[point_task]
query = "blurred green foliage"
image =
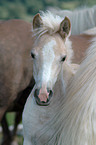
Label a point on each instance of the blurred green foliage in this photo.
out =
(25, 9)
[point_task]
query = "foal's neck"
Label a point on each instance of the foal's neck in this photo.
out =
(66, 75)
(62, 82)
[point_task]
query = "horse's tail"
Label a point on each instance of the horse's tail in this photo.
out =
(75, 123)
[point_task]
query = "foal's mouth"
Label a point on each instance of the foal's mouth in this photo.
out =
(43, 99)
(42, 103)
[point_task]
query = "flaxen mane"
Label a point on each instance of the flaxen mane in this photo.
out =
(50, 23)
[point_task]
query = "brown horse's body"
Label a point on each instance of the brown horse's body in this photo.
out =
(80, 44)
(15, 60)
(16, 79)
(15, 65)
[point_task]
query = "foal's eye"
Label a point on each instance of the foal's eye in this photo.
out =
(63, 58)
(32, 55)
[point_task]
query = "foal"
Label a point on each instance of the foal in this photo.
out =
(52, 72)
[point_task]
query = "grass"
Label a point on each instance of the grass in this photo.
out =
(70, 5)
(10, 118)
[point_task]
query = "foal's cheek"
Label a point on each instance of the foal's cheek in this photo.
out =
(54, 75)
(57, 69)
(35, 72)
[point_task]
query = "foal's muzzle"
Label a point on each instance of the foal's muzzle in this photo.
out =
(43, 103)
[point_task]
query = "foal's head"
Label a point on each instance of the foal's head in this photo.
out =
(49, 53)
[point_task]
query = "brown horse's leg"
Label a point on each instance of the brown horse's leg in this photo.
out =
(22, 102)
(2, 112)
(18, 118)
(6, 132)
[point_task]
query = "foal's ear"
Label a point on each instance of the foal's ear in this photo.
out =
(65, 28)
(37, 21)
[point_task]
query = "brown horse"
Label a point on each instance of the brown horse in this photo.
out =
(16, 79)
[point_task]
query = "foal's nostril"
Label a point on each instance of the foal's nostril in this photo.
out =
(50, 92)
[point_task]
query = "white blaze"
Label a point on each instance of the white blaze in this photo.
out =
(48, 58)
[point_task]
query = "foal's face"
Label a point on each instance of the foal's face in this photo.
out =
(48, 56)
